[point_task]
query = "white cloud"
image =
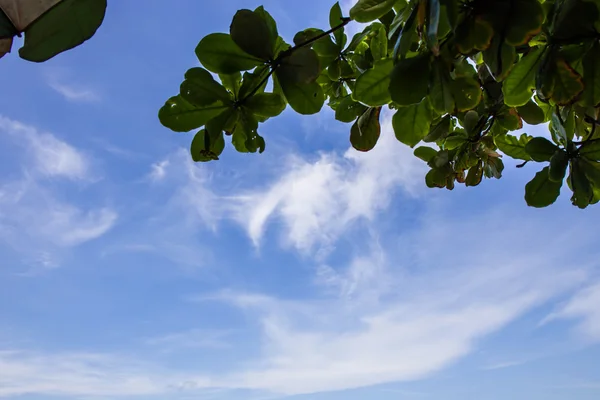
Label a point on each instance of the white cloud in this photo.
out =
(159, 170)
(316, 201)
(34, 220)
(191, 339)
(48, 155)
(585, 307)
(74, 93)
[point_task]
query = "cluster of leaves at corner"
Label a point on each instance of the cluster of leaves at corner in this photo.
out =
(458, 75)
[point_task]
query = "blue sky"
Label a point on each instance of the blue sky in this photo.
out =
(307, 272)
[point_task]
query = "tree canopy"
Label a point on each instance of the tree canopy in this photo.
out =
(460, 76)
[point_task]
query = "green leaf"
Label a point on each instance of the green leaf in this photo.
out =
(324, 46)
(252, 34)
(439, 130)
(531, 113)
(64, 26)
(526, 18)
(567, 83)
(200, 88)
(440, 92)
(583, 193)
(232, 82)
(407, 35)
(379, 44)
(499, 58)
(266, 104)
(591, 170)
(540, 149)
(517, 86)
(219, 53)
(303, 98)
(409, 82)
(474, 34)
(433, 23)
(438, 177)
(558, 131)
(411, 123)
(425, 153)
(370, 10)
(454, 141)
(348, 110)
(180, 116)
(541, 191)
(466, 93)
(509, 119)
(207, 147)
(334, 70)
(591, 76)
(372, 86)
(475, 174)
(590, 150)
(302, 67)
(335, 19)
(558, 166)
(366, 130)
(513, 147)
(251, 81)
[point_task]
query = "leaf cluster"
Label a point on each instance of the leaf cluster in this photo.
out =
(459, 76)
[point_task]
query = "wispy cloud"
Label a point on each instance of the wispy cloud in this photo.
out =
(191, 339)
(74, 93)
(583, 306)
(34, 220)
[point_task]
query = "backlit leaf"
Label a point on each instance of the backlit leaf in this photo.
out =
(541, 191)
(219, 53)
(372, 86)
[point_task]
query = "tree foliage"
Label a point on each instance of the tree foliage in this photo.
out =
(459, 75)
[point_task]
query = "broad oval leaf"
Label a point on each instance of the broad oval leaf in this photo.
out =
(200, 88)
(591, 76)
(64, 26)
(207, 147)
(513, 147)
(409, 81)
(540, 149)
(266, 104)
(370, 10)
(583, 193)
(180, 116)
(365, 132)
(219, 53)
(252, 34)
(303, 98)
(590, 150)
(302, 66)
(517, 86)
(411, 123)
(348, 109)
(525, 22)
(532, 113)
(558, 166)
(425, 153)
(372, 86)
(541, 191)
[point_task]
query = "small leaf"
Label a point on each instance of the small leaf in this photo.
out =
(251, 81)
(439, 130)
(219, 53)
(366, 130)
(541, 191)
(425, 153)
(475, 174)
(454, 141)
(411, 123)
(513, 147)
(370, 10)
(232, 82)
(540, 149)
(379, 44)
(207, 147)
(466, 93)
(509, 119)
(335, 19)
(252, 34)
(407, 35)
(200, 88)
(442, 99)
(517, 87)
(372, 86)
(180, 116)
(348, 110)
(409, 82)
(531, 113)
(499, 58)
(64, 26)
(266, 104)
